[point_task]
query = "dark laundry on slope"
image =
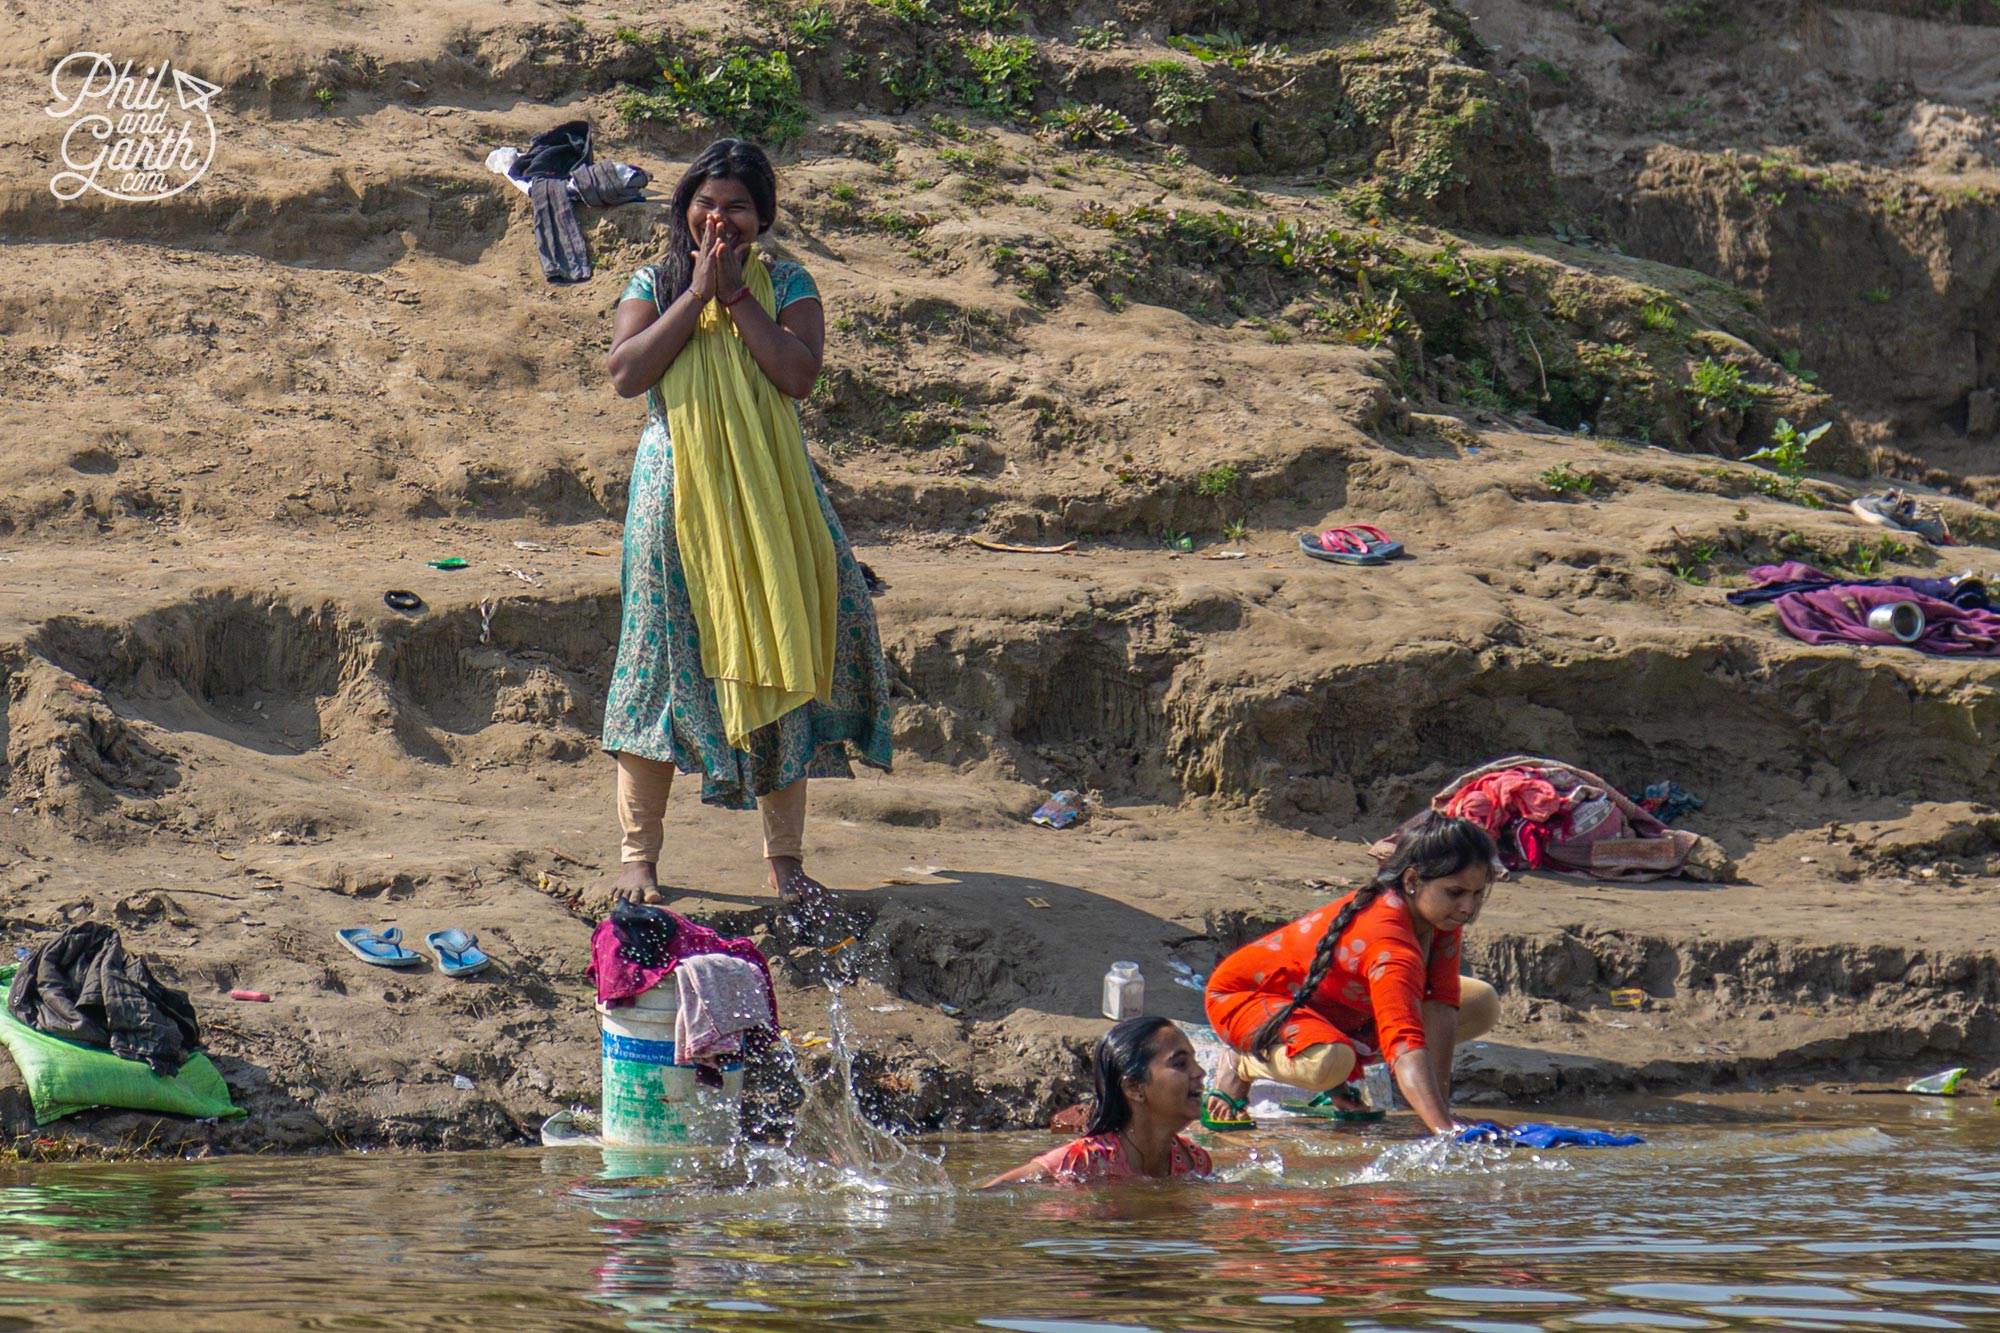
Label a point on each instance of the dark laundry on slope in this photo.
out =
(559, 167)
(1775, 581)
(83, 986)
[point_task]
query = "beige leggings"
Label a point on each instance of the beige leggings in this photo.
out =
(643, 786)
(1328, 1065)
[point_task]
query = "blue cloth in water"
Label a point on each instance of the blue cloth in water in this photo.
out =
(1544, 1136)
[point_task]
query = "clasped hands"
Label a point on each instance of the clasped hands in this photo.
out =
(718, 266)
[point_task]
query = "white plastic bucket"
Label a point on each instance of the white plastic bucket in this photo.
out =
(649, 1101)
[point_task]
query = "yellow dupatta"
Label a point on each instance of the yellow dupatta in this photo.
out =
(755, 548)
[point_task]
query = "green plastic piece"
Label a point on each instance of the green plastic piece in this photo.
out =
(1941, 1084)
(64, 1078)
(449, 562)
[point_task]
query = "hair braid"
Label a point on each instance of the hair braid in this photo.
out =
(1435, 846)
(1273, 1028)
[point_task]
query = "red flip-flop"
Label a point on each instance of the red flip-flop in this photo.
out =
(1355, 544)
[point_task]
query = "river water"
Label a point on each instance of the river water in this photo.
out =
(1851, 1214)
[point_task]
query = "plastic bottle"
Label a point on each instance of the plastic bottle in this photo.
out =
(1124, 992)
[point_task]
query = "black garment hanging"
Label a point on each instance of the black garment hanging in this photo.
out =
(555, 152)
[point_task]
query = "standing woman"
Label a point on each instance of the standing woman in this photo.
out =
(1372, 976)
(748, 651)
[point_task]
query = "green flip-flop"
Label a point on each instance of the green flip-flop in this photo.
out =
(1240, 1105)
(1323, 1107)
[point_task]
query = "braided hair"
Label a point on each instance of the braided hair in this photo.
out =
(1124, 1052)
(1438, 848)
(725, 159)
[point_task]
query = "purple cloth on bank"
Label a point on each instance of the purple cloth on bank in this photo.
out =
(1840, 615)
(1775, 581)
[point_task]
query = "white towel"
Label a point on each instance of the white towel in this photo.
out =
(720, 999)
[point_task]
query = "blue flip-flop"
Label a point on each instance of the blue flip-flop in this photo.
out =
(458, 954)
(384, 949)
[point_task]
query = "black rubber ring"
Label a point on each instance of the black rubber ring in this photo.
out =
(401, 600)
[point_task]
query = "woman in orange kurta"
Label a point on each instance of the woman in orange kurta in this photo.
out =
(1371, 976)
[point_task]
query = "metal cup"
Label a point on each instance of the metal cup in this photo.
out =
(1905, 620)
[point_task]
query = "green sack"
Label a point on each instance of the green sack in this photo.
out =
(64, 1078)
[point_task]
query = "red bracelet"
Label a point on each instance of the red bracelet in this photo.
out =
(745, 291)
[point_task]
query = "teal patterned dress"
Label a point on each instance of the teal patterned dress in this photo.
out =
(662, 707)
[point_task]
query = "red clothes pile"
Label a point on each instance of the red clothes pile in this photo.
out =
(1548, 815)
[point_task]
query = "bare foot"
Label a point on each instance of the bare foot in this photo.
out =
(794, 885)
(637, 883)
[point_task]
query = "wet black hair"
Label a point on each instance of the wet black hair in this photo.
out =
(725, 159)
(1438, 848)
(1124, 1052)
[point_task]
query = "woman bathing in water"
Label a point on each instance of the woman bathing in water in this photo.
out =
(748, 651)
(1149, 1089)
(1373, 975)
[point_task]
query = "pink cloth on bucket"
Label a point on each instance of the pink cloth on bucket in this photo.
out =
(720, 999)
(618, 978)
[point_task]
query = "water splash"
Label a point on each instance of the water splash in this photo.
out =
(1442, 1155)
(833, 1145)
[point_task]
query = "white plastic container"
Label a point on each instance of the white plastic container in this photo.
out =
(1124, 992)
(649, 1101)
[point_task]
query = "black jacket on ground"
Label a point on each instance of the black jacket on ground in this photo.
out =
(84, 987)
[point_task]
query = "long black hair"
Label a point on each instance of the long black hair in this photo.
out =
(725, 159)
(1124, 1052)
(1439, 847)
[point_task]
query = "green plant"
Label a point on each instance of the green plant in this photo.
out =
(1566, 480)
(1719, 385)
(1878, 295)
(847, 194)
(979, 160)
(1864, 558)
(811, 25)
(1226, 47)
(326, 97)
(1790, 361)
(989, 14)
(1099, 37)
(1659, 316)
(1787, 451)
(631, 36)
(1544, 69)
(1699, 557)
(911, 81)
(750, 92)
(1218, 481)
(1236, 529)
(910, 11)
(1002, 80)
(1081, 123)
(1179, 91)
